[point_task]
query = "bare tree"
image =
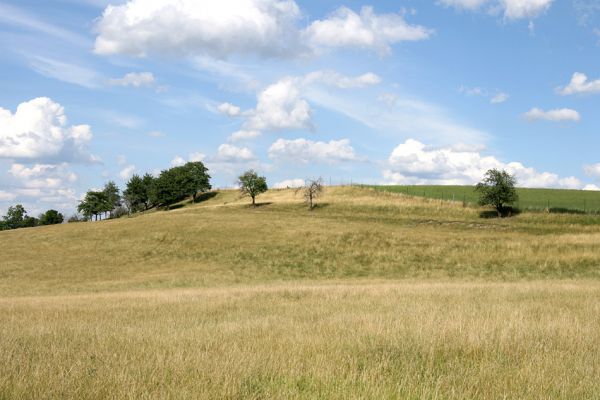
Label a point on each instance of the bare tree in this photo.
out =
(312, 189)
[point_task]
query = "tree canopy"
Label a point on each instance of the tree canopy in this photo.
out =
(252, 185)
(497, 189)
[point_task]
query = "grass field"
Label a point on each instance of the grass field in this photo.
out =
(556, 200)
(371, 295)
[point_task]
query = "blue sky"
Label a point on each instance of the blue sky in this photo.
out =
(395, 92)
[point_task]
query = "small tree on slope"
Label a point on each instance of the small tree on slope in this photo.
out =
(252, 185)
(497, 189)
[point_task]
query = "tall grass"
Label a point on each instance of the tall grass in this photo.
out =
(370, 295)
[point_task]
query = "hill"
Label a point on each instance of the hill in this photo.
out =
(554, 200)
(371, 295)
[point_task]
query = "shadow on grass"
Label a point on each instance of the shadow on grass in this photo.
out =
(563, 210)
(204, 197)
(174, 207)
(507, 212)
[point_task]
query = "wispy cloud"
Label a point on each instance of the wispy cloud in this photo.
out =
(66, 72)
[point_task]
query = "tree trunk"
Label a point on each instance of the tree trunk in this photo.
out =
(254, 201)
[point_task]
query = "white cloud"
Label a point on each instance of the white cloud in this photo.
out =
(516, 9)
(499, 98)
(229, 109)
(38, 130)
(367, 30)
(7, 196)
(178, 161)
(190, 27)
(580, 85)
(415, 163)
(289, 183)
(244, 135)
(474, 91)
(305, 151)
(592, 170)
(562, 114)
(333, 78)
(135, 79)
(280, 106)
(197, 156)
(156, 134)
(233, 154)
(591, 187)
(127, 172)
(511, 9)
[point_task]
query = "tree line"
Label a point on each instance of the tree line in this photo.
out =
(16, 217)
(497, 189)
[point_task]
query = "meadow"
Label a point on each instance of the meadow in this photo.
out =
(370, 295)
(554, 200)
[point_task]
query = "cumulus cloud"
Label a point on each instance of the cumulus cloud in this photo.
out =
(415, 163)
(511, 9)
(591, 187)
(289, 183)
(127, 172)
(134, 79)
(557, 115)
(38, 130)
(177, 161)
(307, 151)
(580, 85)
(229, 109)
(367, 30)
(234, 154)
(190, 27)
(244, 135)
(197, 156)
(592, 170)
(280, 106)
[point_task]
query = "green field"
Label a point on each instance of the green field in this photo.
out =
(370, 295)
(555, 200)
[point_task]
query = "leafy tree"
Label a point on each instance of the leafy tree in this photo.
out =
(312, 189)
(252, 185)
(15, 217)
(93, 204)
(51, 217)
(497, 189)
(198, 180)
(137, 193)
(30, 222)
(112, 198)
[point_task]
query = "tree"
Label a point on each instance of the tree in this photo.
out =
(252, 185)
(312, 189)
(15, 217)
(93, 204)
(198, 180)
(137, 193)
(51, 217)
(170, 187)
(112, 198)
(497, 189)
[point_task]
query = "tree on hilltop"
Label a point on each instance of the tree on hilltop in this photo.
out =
(252, 185)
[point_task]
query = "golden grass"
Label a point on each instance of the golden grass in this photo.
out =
(371, 295)
(535, 340)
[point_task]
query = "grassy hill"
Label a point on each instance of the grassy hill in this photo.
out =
(556, 200)
(371, 295)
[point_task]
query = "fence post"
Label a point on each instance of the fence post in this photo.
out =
(584, 206)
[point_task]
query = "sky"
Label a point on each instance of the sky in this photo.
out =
(385, 92)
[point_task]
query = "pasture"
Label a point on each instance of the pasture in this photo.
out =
(554, 200)
(370, 295)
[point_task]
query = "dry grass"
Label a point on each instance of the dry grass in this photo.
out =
(362, 340)
(372, 295)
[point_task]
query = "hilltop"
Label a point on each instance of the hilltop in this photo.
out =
(353, 233)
